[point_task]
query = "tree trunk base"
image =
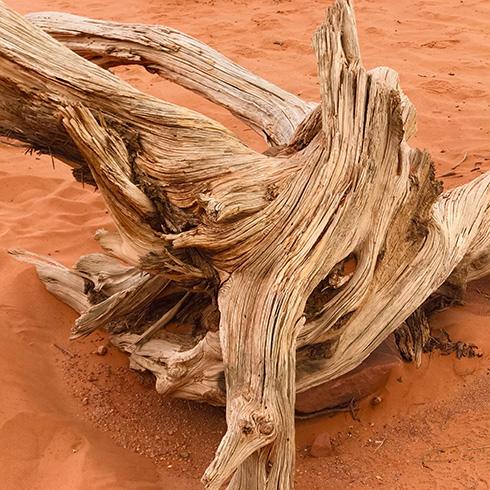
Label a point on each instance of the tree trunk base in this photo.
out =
(286, 268)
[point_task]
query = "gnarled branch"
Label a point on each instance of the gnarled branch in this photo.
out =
(300, 261)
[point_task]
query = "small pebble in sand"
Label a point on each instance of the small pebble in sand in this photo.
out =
(101, 350)
(376, 401)
(322, 446)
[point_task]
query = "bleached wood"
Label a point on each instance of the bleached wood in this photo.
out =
(105, 292)
(269, 110)
(59, 281)
(159, 136)
(181, 372)
(263, 238)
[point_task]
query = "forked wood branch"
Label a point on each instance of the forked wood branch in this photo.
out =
(288, 268)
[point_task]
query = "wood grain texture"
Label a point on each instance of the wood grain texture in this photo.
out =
(271, 111)
(288, 268)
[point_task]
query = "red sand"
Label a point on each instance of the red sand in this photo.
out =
(91, 423)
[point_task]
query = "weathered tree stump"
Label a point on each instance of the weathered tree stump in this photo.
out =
(287, 267)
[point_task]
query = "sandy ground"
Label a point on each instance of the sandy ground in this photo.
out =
(88, 422)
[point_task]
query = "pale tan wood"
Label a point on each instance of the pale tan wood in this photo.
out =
(59, 281)
(253, 248)
(271, 111)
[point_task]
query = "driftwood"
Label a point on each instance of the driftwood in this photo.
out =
(285, 269)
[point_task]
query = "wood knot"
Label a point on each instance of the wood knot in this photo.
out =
(176, 372)
(272, 192)
(247, 429)
(266, 428)
(264, 424)
(258, 424)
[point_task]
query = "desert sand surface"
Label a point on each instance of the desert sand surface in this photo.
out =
(88, 422)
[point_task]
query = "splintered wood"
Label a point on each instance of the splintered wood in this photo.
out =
(288, 268)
